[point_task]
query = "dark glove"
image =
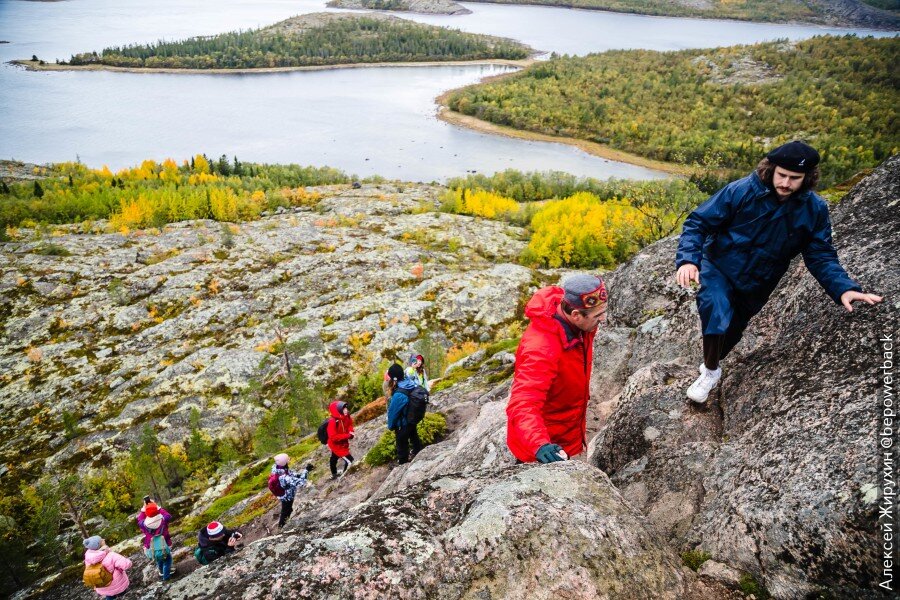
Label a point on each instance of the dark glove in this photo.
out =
(549, 453)
(309, 467)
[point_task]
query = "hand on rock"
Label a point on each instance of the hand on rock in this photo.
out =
(850, 296)
(550, 453)
(686, 274)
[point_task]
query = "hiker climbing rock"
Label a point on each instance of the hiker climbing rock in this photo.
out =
(738, 244)
(283, 483)
(215, 541)
(406, 409)
(415, 370)
(340, 432)
(104, 570)
(547, 409)
(153, 521)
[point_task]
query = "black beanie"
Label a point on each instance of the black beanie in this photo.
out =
(396, 372)
(794, 156)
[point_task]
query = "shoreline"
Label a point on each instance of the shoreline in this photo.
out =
(30, 65)
(447, 115)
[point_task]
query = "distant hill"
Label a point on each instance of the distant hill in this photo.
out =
(848, 13)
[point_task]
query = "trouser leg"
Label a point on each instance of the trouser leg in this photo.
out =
(166, 566)
(414, 437)
(712, 351)
(332, 463)
(402, 444)
(287, 507)
(745, 308)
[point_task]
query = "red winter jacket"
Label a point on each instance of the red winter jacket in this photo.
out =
(551, 384)
(340, 428)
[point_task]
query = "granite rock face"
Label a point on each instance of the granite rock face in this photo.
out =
(124, 331)
(526, 531)
(771, 477)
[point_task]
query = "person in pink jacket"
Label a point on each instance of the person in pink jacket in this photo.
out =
(98, 552)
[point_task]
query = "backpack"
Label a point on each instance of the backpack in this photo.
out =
(418, 402)
(97, 576)
(322, 431)
(275, 485)
(159, 549)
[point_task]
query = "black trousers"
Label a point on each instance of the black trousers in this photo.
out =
(332, 462)
(287, 507)
(405, 435)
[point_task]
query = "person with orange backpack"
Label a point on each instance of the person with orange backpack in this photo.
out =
(340, 432)
(104, 570)
(283, 483)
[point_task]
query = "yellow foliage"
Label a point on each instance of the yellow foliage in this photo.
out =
(582, 231)
(201, 178)
(461, 351)
(480, 203)
(213, 286)
(201, 165)
(360, 340)
(258, 197)
(268, 347)
(34, 354)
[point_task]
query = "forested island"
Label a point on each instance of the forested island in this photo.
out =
(318, 39)
(712, 108)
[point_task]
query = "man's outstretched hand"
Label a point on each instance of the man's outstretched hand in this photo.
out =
(687, 273)
(849, 297)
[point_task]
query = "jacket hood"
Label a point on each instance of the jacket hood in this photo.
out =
(334, 409)
(92, 557)
(408, 384)
(544, 302)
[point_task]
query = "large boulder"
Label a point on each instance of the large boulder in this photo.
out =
(772, 476)
(559, 531)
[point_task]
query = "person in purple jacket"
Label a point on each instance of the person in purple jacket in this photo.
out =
(153, 521)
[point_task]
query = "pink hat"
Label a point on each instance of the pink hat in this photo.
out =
(215, 528)
(281, 460)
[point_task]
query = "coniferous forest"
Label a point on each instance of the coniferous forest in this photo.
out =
(334, 41)
(715, 108)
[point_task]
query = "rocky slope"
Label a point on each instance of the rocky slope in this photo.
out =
(127, 330)
(775, 477)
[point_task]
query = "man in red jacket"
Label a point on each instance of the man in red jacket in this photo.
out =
(547, 410)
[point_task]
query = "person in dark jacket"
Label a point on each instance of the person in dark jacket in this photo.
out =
(547, 409)
(738, 244)
(399, 420)
(216, 540)
(340, 432)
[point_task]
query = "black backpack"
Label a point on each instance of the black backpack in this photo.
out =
(322, 431)
(418, 403)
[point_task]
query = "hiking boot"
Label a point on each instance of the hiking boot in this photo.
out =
(703, 385)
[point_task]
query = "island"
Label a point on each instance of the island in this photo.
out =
(427, 7)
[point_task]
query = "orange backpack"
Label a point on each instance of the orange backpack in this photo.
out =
(97, 576)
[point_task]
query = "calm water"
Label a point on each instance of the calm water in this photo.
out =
(364, 121)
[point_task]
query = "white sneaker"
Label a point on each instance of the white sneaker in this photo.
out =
(699, 390)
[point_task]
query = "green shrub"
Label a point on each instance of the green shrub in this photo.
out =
(749, 586)
(431, 429)
(694, 559)
(52, 250)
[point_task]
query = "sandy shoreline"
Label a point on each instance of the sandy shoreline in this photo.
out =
(593, 148)
(31, 65)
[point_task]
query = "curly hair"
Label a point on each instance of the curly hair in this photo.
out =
(766, 168)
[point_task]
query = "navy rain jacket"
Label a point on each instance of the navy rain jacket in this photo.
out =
(745, 232)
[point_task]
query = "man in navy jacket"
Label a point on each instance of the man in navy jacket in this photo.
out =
(738, 244)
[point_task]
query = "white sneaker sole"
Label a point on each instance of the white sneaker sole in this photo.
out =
(696, 397)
